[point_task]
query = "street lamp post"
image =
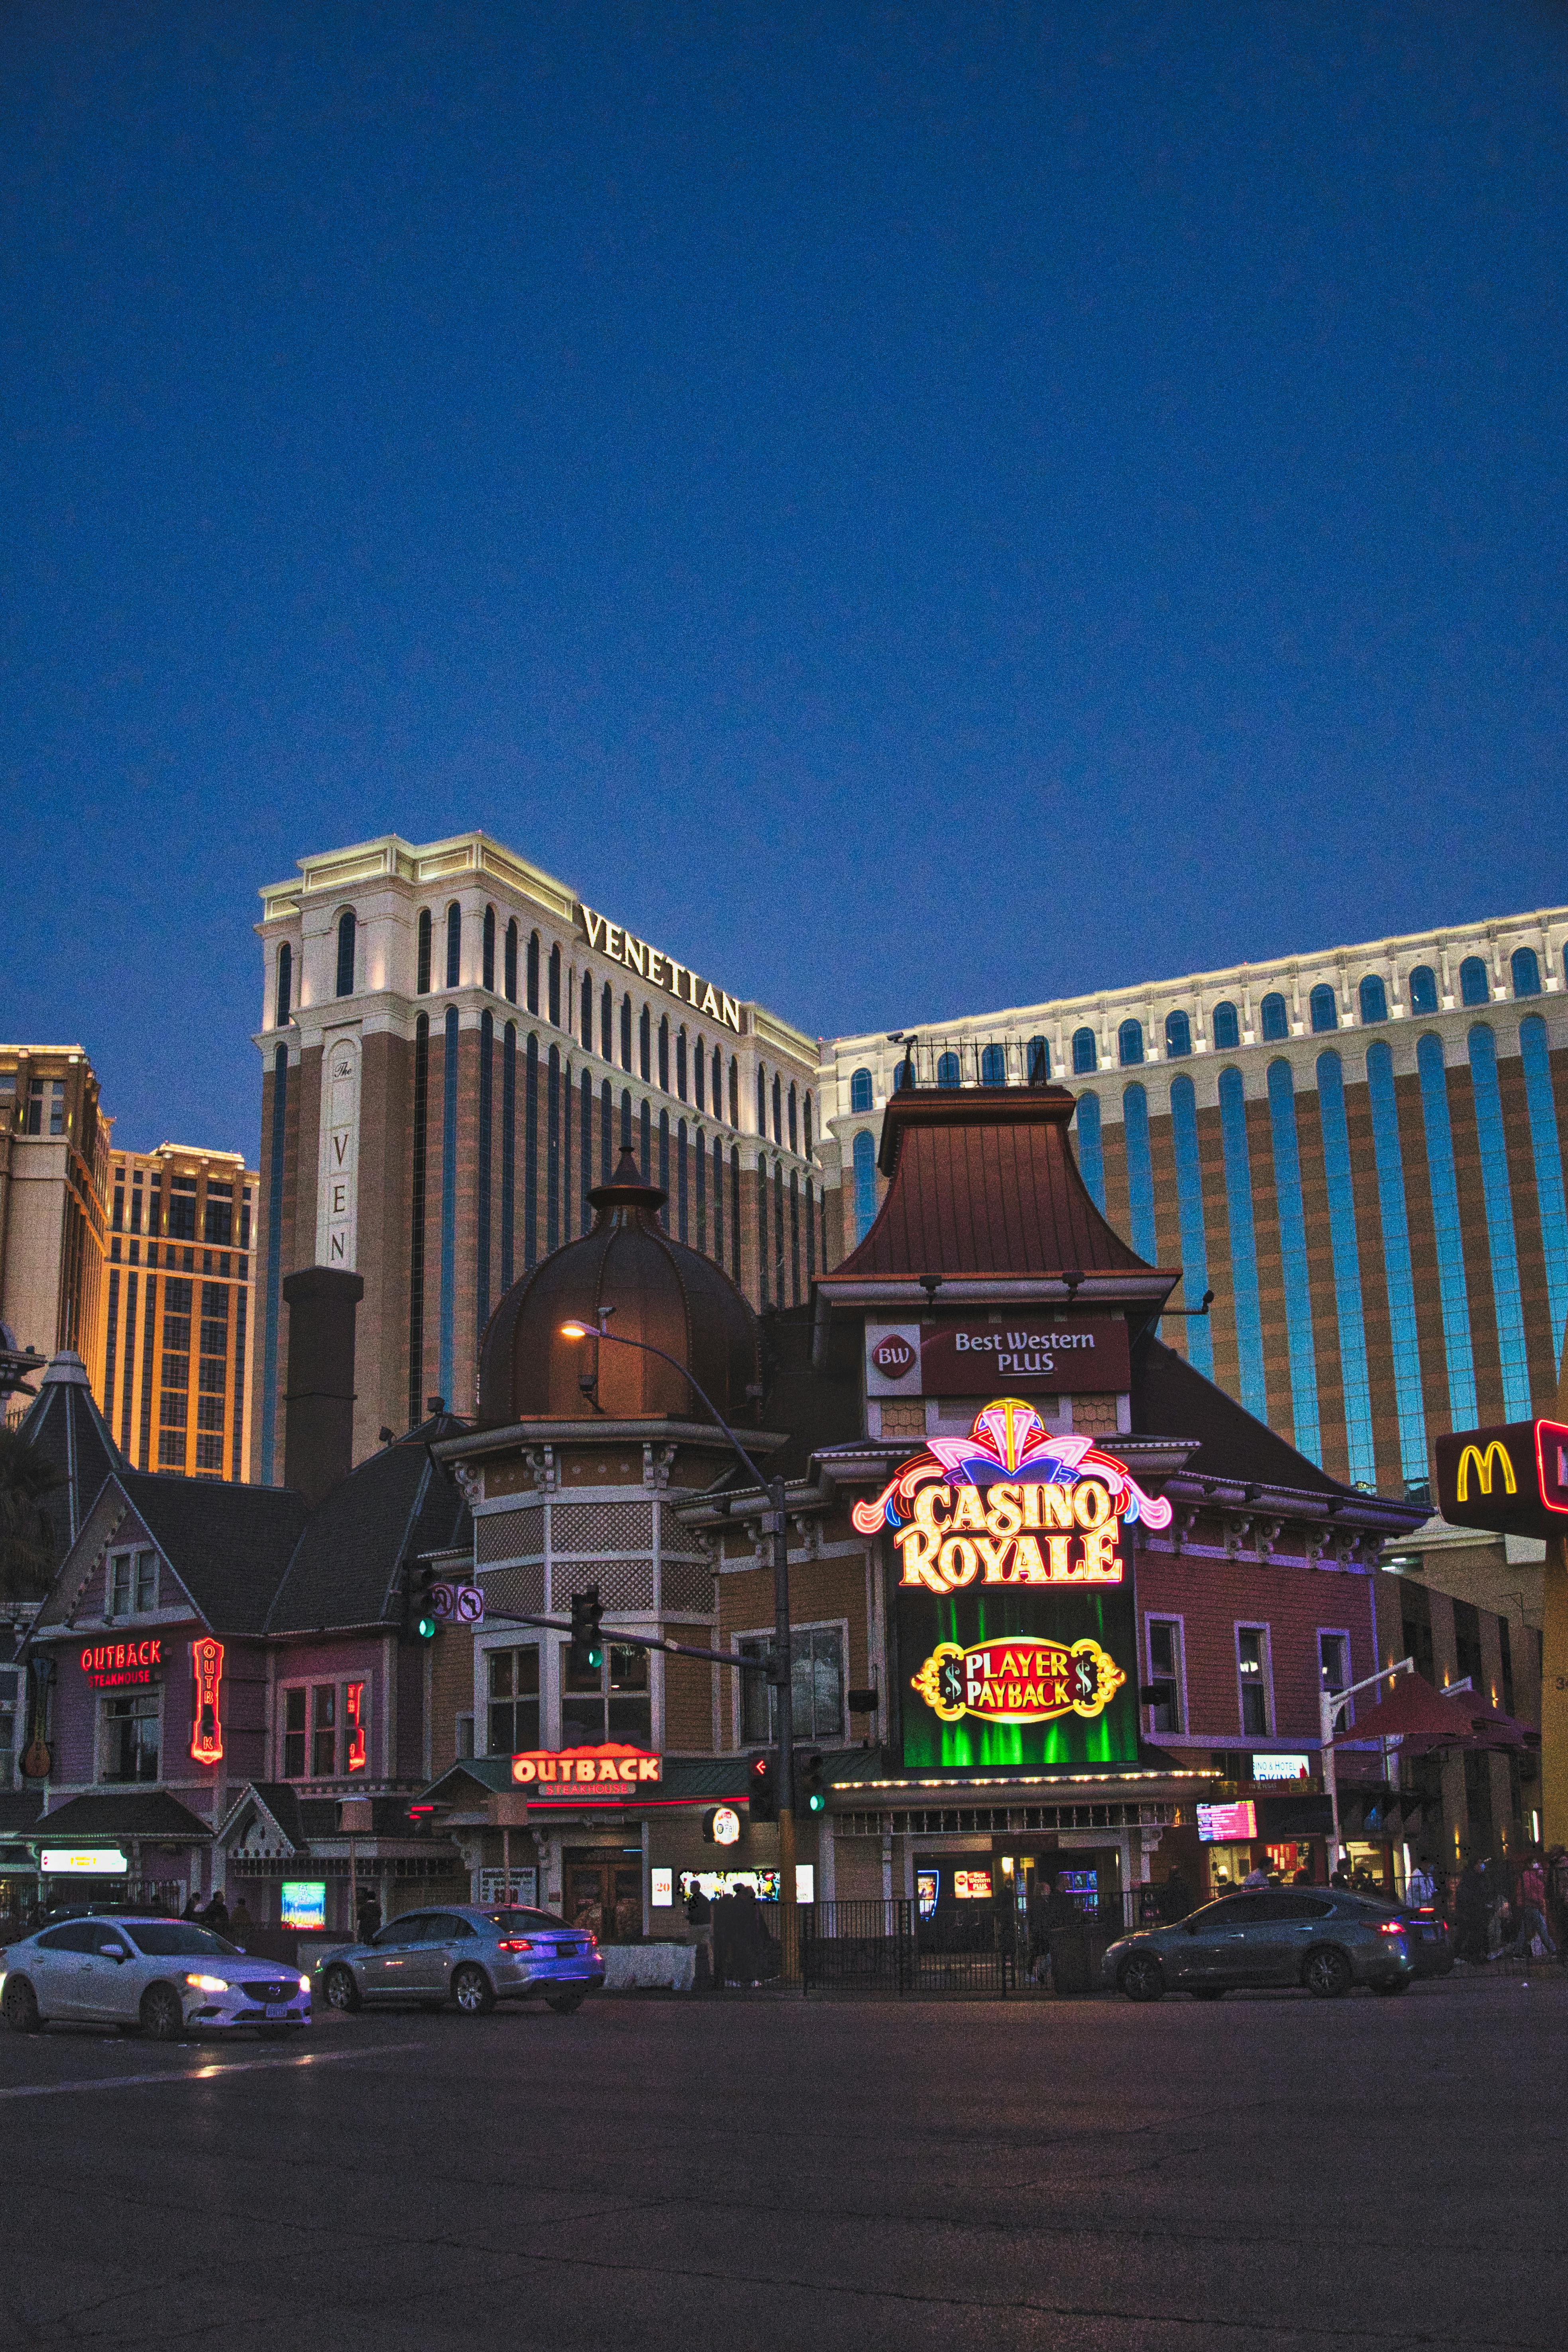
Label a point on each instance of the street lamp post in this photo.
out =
(1329, 1706)
(775, 1522)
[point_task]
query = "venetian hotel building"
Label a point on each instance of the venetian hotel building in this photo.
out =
(1360, 1152)
(453, 1049)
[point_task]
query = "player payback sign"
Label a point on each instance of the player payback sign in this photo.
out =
(1047, 1354)
(1015, 1604)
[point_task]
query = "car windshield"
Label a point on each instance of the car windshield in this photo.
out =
(176, 1939)
(507, 1920)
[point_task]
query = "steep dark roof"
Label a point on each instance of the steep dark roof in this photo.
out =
(141, 1812)
(65, 1427)
(19, 1808)
(228, 1545)
(345, 1565)
(982, 1181)
(1169, 1399)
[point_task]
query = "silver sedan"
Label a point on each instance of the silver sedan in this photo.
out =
(163, 1977)
(472, 1954)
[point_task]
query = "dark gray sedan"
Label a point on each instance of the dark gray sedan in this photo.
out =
(1319, 1937)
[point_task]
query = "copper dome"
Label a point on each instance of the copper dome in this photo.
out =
(656, 1290)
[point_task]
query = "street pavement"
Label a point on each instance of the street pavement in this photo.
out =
(1268, 2171)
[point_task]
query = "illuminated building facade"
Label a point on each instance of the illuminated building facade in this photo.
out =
(54, 1192)
(1360, 1153)
(173, 1379)
(454, 1050)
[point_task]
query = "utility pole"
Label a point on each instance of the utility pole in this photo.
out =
(1328, 1704)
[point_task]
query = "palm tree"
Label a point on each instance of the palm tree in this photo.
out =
(27, 1538)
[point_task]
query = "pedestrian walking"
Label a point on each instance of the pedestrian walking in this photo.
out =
(1421, 1888)
(1175, 1897)
(215, 1915)
(1529, 1926)
(1256, 1877)
(367, 1923)
(1470, 1910)
(240, 1923)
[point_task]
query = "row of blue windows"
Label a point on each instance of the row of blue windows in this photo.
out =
(1225, 1021)
(1398, 1273)
(991, 1067)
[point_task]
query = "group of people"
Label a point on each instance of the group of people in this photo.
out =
(742, 1952)
(1492, 1924)
(215, 1914)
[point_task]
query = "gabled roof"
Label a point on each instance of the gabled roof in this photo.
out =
(344, 1568)
(65, 1427)
(984, 1187)
(141, 1812)
(228, 1545)
(1232, 1448)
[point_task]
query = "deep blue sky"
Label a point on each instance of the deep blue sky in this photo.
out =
(911, 507)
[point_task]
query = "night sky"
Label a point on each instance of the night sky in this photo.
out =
(912, 508)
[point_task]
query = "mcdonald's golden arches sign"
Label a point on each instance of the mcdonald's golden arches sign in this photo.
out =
(1514, 1478)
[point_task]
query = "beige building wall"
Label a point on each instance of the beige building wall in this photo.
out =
(54, 1164)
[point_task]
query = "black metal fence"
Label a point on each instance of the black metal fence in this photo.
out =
(883, 1946)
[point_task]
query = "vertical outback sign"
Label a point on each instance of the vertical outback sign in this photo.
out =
(1016, 1628)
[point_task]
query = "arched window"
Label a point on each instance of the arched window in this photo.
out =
(534, 971)
(794, 1120)
(607, 1024)
(664, 1167)
(1226, 1027)
(903, 1075)
(947, 1069)
(762, 1101)
(509, 963)
(734, 1111)
(699, 1074)
(645, 1137)
(1423, 989)
(663, 1053)
(680, 1061)
(993, 1067)
(1085, 1053)
(422, 975)
(606, 1129)
(283, 1001)
(778, 1110)
(1373, 998)
(587, 1012)
(555, 984)
(859, 1086)
(1038, 1062)
(626, 1033)
(1526, 970)
(865, 1184)
(682, 1181)
(1274, 1019)
(1473, 988)
(1323, 1007)
(454, 944)
(1130, 1043)
(1178, 1036)
(488, 951)
(626, 1118)
(645, 1043)
(346, 952)
(807, 1113)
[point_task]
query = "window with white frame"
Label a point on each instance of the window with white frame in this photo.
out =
(1166, 1674)
(1253, 1674)
(325, 1730)
(132, 1583)
(129, 1728)
(817, 1658)
(613, 1700)
(511, 1693)
(1335, 1671)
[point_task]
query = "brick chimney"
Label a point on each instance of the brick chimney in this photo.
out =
(318, 1402)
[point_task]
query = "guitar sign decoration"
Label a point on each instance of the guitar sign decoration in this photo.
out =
(206, 1730)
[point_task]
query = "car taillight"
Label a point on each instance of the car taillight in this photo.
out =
(1391, 1926)
(514, 1943)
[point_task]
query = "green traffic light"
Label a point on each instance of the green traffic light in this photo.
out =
(595, 1657)
(425, 1629)
(816, 1803)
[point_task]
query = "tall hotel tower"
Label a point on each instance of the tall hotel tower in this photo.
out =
(453, 1049)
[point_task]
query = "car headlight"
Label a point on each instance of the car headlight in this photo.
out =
(208, 1984)
(304, 1984)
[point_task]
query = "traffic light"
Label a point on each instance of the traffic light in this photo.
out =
(422, 1612)
(763, 1796)
(813, 1784)
(587, 1646)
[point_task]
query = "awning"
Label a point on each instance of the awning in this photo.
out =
(1424, 1718)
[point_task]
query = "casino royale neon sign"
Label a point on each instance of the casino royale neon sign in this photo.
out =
(1014, 1503)
(621, 947)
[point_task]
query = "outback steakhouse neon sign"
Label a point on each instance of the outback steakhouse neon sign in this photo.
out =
(122, 1665)
(1014, 1503)
(1018, 1681)
(607, 1769)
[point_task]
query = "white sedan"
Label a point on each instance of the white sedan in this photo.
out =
(163, 1977)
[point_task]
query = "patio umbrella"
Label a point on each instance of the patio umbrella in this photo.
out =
(1416, 1714)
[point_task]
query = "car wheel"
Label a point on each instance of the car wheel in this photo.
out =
(23, 2014)
(1327, 1973)
(471, 1992)
(1209, 1992)
(163, 2019)
(340, 1991)
(1395, 1984)
(564, 2004)
(1142, 1977)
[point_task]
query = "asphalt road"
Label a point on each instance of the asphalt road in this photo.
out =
(1269, 2171)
